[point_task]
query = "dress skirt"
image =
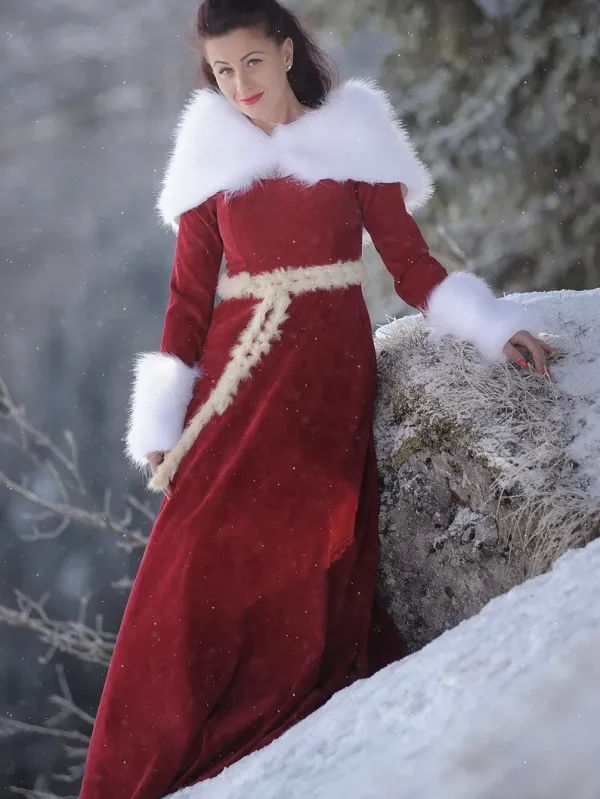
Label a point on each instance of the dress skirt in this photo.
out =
(255, 599)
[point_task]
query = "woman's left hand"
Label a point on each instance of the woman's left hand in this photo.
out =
(539, 351)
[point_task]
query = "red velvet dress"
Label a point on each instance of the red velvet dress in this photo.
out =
(255, 599)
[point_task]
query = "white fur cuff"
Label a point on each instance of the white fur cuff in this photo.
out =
(162, 390)
(465, 306)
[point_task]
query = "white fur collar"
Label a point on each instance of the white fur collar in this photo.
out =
(354, 135)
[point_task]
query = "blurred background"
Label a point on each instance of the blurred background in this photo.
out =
(501, 99)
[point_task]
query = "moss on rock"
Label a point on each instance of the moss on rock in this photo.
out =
(409, 447)
(433, 430)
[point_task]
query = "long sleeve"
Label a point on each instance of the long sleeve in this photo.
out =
(399, 242)
(459, 303)
(164, 381)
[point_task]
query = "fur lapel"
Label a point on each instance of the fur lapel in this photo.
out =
(354, 135)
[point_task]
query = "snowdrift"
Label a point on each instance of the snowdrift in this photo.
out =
(504, 705)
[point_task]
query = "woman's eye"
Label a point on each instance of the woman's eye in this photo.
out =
(229, 70)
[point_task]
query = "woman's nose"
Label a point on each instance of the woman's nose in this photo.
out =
(243, 88)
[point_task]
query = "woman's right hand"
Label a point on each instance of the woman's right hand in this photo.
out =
(155, 459)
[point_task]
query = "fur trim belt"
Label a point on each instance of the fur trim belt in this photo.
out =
(275, 290)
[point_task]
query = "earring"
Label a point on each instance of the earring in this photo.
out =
(289, 66)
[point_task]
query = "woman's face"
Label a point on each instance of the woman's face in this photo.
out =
(250, 66)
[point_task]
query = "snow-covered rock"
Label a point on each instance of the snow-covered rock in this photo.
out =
(504, 705)
(489, 473)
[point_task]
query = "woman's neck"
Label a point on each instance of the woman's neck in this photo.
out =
(288, 111)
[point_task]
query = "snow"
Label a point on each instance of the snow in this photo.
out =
(505, 704)
(574, 319)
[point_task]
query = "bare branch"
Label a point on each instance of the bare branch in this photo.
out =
(39, 535)
(33, 794)
(125, 583)
(131, 539)
(92, 645)
(142, 507)
(11, 727)
(65, 512)
(75, 743)
(16, 414)
(452, 244)
(39, 791)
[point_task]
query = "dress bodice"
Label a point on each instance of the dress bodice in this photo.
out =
(283, 222)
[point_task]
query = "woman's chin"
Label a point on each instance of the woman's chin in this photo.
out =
(255, 110)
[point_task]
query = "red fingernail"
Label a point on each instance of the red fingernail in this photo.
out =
(522, 363)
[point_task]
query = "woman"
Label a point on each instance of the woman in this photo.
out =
(255, 599)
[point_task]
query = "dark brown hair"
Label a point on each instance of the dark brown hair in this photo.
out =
(313, 73)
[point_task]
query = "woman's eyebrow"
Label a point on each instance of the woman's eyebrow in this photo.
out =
(243, 58)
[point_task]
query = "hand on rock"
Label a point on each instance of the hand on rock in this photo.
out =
(537, 348)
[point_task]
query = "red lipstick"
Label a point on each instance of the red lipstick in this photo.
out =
(254, 99)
